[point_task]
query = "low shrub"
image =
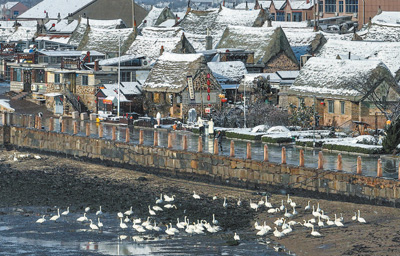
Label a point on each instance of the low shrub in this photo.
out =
(235, 135)
(277, 140)
(355, 149)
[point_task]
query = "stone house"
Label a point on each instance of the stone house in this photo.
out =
(159, 17)
(291, 10)
(272, 51)
(179, 82)
(357, 90)
(10, 10)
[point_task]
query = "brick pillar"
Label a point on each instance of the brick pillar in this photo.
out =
(265, 153)
(215, 147)
(200, 145)
(169, 140)
(75, 127)
(4, 118)
(36, 122)
(113, 135)
(283, 155)
(301, 162)
(184, 142)
(39, 123)
(155, 139)
(379, 171)
(141, 137)
(359, 166)
(127, 135)
(339, 162)
(248, 153)
(51, 124)
(100, 131)
(232, 149)
(87, 130)
(29, 121)
(320, 160)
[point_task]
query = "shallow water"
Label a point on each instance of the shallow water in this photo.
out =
(21, 235)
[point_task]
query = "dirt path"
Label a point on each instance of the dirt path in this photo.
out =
(53, 181)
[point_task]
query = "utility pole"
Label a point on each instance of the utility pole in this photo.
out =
(119, 73)
(133, 13)
(244, 102)
(315, 122)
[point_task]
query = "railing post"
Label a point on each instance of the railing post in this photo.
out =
(184, 142)
(51, 124)
(379, 171)
(283, 155)
(248, 150)
(232, 149)
(320, 160)
(141, 137)
(200, 145)
(155, 139)
(169, 140)
(215, 146)
(339, 162)
(359, 165)
(301, 162)
(265, 153)
(87, 129)
(63, 126)
(100, 131)
(127, 135)
(113, 135)
(75, 127)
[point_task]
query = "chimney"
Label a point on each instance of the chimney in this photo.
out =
(256, 5)
(247, 6)
(87, 21)
(349, 55)
(209, 40)
(70, 19)
(223, 3)
(379, 10)
(188, 7)
(96, 65)
(58, 17)
(176, 19)
(161, 50)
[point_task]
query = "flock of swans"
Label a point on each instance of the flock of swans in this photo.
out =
(283, 225)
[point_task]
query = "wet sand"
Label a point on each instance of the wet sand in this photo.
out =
(56, 181)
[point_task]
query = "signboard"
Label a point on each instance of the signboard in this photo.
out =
(207, 110)
(190, 86)
(105, 101)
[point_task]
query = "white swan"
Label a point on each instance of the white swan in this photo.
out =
(99, 223)
(236, 237)
(129, 212)
(160, 200)
(214, 221)
(287, 230)
(323, 216)
(278, 233)
(169, 199)
(64, 213)
(87, 209)
(181, 225)
(155, 227)
(41, 220)
(169, 206)
(239, 202)
(329, 222)
(338, 222)
(93, 226)
(169, 232)
(261, 202)
(267, 204)
(215, 198)
(294, 211)
(272, 210)
(307, 224)
(99, 212)
(195, 196)
(308, 207)
(126, 220)
(120, 215)
(318, 209)
(173, 229)
(253, 206)
(279, 222)
(315, 213)
(282, 207)
(83, 218)
(225, 204)
(314, 233)
(320, 223)
(287, 214)
(123, 225)
(157, 208)
(56, 217)
(288, 199)
(359, 219)
(354, 217)
(151, 212)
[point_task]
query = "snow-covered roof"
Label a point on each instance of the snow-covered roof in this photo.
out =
(292, 74)
(106, 40)
(387, 18)
(265, 42)
(248, 80)
(63, 26)
(170, 72)
(288, 24)
(106, 24)
(69, 53)
(304, 40)
(9, 5)
(381, 32)
(61, 39)
(24, 23)
(52, 8)
(351, 79)
(124, 58)
(168, 23)
(153, 38)
(279, 4)
(127, 88)
(301, 4)
(387, 52)
(228, 72)
(22, 34)
(156, 16)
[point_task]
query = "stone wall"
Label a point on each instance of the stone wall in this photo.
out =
(215, 168)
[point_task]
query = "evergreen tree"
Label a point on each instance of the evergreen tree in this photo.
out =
(392, 138)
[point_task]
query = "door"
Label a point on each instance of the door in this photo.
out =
(27, 80)
(58, 105)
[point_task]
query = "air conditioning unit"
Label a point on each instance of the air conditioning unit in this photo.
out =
(336, 14)
(34, 88)
(57, 86)
(321, 14)
(355, 15)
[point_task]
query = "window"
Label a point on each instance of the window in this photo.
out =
(330, 5)
(39, 76)
(288, 17)
(273, 16)
(85, 80)
(351, 6)
(331, 106)
(17, 75)
(280, 16)
(340, 6)
(342, 105)
(16, 13)
(321, 6)
(125, 76)
(57, 78)
(297, 16)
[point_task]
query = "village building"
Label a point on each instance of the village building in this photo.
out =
(163, 17)
(228, 74)
(272, 51)
(344, 91)
(153, 41)
(291, 10)
(10, 10)
(383, 27)
(179, 82)
(126, 10)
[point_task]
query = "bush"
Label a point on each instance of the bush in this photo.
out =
(234, 135)
(392, 138)
(355, 149)
(309, 143)
(278, 140)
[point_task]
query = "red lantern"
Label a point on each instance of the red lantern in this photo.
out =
(223, 100)
(208, 97)
(322, 103)
(208, 90)
(208, 75)
(208, 82)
